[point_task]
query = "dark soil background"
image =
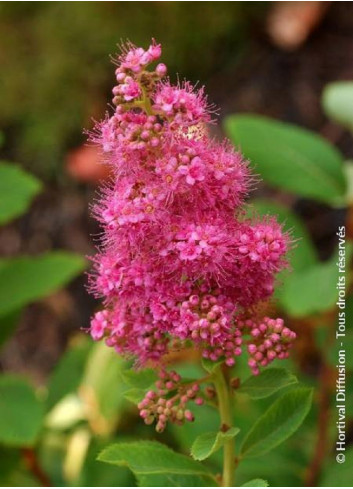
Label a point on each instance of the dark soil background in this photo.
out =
(261, 77)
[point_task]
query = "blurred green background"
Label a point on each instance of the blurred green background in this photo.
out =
(269, 58)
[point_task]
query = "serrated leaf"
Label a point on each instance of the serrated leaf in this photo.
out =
(151, 457)
(256, 483)
(337, 101)
(290, 157)
(267, 383)
(17, 189)
(26, 279)
(208, 443)
(278, 423)
(21, 413)
(303, 252)
(186, 434)
(141, 379)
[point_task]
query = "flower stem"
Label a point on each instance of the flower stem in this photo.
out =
(225, 412)
(32, 462)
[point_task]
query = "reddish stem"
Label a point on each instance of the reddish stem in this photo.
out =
(31, 460)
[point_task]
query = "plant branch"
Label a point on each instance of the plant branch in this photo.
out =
(34, 467)
(225, 412)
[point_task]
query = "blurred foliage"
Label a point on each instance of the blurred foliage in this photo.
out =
(290, 157)
(26, 279)
(22, 281)
(337, 100)
(16, 398)
(57, 74)
(17, 189)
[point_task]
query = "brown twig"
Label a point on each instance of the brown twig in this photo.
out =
(31, 460)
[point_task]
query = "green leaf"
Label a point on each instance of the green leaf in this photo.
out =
(208, 443)
(10, 459)
(279, 422)
(303, 253)
(17, 189)
(338, 474)
(26, 279)
(337, 101)
(8, 324)
(141, 379)
(135, 395)
(151, 457)
(67, 375)
(209, 365)
(21, 413)
(348, 171)
(175, 480)
(256, 483)
(289, 157)
(313, 290)
(310, 291)
(267, 383)
(186, 434)
(96, 474)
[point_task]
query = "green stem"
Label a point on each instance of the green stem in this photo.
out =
(224, 402)
(146, 102)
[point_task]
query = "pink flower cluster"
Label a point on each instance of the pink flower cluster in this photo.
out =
(179, 263)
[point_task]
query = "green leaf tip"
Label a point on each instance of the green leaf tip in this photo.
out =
(208, 443)
(256, 483)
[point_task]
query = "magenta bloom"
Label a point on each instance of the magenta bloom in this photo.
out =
(179, 264)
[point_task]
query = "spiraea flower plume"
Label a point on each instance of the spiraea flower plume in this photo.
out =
(179, 265)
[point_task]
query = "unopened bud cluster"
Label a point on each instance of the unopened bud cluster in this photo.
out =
(270, 339)
(169, 401)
